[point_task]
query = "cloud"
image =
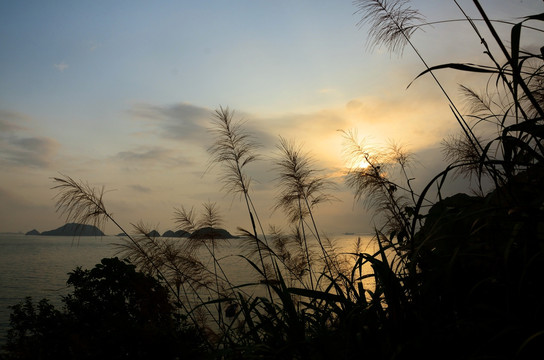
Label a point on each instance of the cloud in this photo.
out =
(381, 117)
(18, 146)
(179, 121)
(354, 105)
(30, 151)
(93, 45)
(7, 127)
(10, 121)
(152, 158)
(193, 124)
(61, 66)
(140, 188)
(155, 154)
(327, 91)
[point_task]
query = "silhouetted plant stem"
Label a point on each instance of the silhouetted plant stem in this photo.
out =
(500, 69)
(301, 224)
(234, 150)
(258, 221)
(515, 67)
(326, 256)
(254, 227)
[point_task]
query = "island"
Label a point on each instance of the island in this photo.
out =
(204, 233)
(211, 233)
(153, 234)
(33, 232)
(179, 233)
(73, 229)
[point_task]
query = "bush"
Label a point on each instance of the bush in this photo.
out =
(114, 312)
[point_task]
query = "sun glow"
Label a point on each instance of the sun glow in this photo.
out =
(363, 164)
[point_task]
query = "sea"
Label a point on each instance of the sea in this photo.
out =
(38, 266)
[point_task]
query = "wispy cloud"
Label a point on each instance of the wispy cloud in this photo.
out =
(20, 147)
(29, 151)
(61, 66)
(192, 123)
(140, 188)
(155, 154)
(327, 91)
(10, 121)
(93, 45)
(179, 121)
(157, 157)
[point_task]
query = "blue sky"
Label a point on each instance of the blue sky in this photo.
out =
(120, 93)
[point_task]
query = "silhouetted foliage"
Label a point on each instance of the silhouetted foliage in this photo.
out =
(114, 312)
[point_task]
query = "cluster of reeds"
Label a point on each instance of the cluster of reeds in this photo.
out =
(458, 273)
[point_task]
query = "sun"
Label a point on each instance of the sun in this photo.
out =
(363, 164)
(359, 164)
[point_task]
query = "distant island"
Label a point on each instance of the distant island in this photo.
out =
(211, 233)
(71, 229)
(179, 233)
(153, 233)
(203, 233)
(74, 229)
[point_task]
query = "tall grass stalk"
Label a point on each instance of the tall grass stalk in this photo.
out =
(233, 149)
(300, 190)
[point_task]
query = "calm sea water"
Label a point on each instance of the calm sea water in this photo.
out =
(37, 266)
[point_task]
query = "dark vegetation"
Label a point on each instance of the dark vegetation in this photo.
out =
(113, 312)
(455, 277)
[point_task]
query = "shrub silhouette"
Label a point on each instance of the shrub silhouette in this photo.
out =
(114, 312)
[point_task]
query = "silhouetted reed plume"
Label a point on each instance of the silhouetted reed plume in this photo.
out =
(233, 149)
(391, 23)
(376, 183)
(78, 202)
(300, 190)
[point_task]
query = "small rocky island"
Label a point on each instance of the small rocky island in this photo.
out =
(73, 229)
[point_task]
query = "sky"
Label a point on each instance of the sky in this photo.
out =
(119, 94)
